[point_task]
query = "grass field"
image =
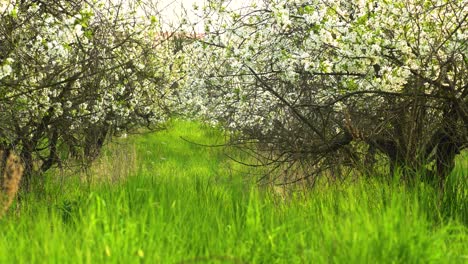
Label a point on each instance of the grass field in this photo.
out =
(155, 198)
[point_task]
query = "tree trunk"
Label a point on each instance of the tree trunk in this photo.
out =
(446, 152)
(27, 159)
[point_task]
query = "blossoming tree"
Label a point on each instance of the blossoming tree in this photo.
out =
(327, 84)
(74, 72)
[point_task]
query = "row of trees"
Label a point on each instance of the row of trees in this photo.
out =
(313, 85)
(73, 73)
(326, 85)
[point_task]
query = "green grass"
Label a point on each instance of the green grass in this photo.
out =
(183, 203)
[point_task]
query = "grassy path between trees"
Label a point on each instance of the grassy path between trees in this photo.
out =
(155, 198)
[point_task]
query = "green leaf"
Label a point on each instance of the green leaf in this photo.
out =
(14, 13)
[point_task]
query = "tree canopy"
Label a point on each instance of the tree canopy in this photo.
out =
(73, 73)
(315, 85)
(328, 84)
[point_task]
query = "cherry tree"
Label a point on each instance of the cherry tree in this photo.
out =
(73, 73)
(325, 84)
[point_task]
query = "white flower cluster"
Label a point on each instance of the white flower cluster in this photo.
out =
(5, 68)
(6, 6)
(309, 52)
(82, 68)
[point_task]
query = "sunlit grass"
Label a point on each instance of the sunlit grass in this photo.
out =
(184, 203)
